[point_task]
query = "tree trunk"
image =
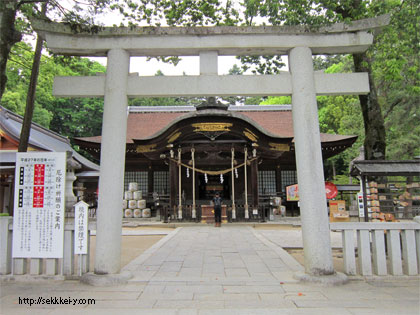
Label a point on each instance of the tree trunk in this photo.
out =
(30, 98)
(8, 37)
(375, 142)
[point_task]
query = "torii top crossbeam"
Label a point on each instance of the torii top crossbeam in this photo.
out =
(226, 40)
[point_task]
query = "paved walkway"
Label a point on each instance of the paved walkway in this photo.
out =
(230, 270)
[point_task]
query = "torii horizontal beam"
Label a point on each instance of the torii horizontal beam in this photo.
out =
(226, 40)
(212, 85)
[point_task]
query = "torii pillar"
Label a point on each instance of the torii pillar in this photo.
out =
(310, 172)
(114, 130)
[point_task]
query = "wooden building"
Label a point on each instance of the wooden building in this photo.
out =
(188, 153)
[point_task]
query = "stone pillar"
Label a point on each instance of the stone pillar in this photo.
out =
(313, 204)
(111, 182)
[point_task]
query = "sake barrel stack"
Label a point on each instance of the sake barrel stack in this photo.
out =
(131, 197)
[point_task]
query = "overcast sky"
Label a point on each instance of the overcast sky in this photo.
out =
(188, 65)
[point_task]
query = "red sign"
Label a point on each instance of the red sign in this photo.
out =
(292, 191)
(39, 174)
(331, 190)
(38, 200)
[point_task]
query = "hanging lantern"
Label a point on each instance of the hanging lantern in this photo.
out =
(205, 178)
(221, 179)
(188, 172)
(236, 172)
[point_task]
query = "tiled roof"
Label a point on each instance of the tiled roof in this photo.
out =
(142, 125)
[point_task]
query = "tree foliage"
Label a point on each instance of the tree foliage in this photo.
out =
(69, 117)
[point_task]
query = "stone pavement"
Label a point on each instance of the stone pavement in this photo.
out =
(205, 270)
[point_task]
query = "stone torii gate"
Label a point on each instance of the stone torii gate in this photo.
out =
(301, 82)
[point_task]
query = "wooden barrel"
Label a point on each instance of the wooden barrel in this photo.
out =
(146, 213)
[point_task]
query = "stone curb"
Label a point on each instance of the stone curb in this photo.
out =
(132, 265)
(288, 260)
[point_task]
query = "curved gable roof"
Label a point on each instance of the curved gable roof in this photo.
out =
(146, 122)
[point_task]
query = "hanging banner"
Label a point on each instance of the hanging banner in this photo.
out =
(80, 228)
(292, 191)
(38, 223)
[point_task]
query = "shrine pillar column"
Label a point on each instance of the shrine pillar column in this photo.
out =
(313, 204)
(173, 182)
(111, 180)
(254, 182)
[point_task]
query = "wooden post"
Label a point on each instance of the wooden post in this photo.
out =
(365, 198)
(233, 187)
(193, 211)
(254, 184)
(173, 182)
(150, 180)
(179, 186)
(246, 183)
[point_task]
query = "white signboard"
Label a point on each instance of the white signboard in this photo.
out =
(38, 223)
(80, 227)
(361, 205)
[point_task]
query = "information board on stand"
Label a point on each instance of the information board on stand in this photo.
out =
(38, 225)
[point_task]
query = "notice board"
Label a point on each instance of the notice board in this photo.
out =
(38, 223)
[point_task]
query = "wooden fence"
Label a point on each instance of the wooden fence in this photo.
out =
(377, 248)
(70, 266)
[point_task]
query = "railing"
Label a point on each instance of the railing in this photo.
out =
(70, 266)
(381, 248)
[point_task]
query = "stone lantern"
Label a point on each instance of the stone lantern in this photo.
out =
(71, 199)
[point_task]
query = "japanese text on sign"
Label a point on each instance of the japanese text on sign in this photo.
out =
(80, 227)
(38, 225)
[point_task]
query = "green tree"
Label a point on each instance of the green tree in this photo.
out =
(78, 117)
(277, 100)
(19, 72)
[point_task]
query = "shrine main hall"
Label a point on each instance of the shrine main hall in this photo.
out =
(185, 154)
